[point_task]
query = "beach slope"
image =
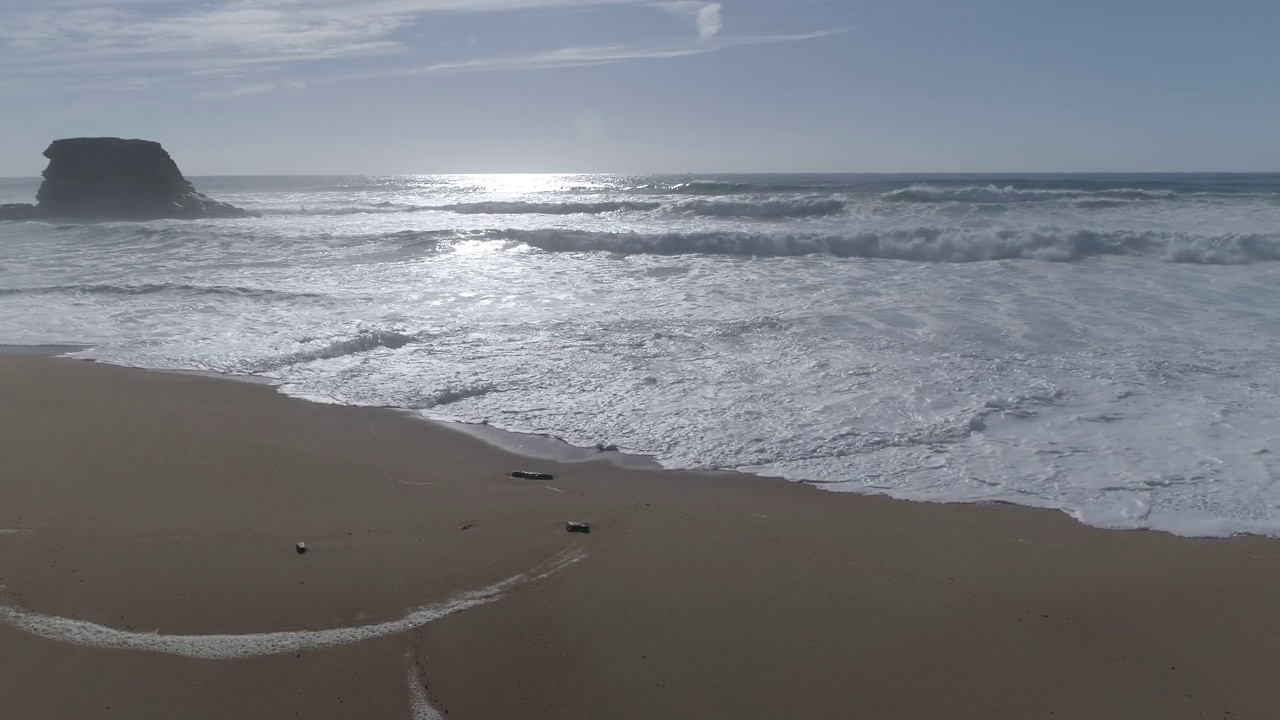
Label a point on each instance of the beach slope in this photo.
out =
(148, 525)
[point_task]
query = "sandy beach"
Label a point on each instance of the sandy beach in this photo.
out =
(149, 570)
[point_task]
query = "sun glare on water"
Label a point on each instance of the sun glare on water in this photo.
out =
(518, 183)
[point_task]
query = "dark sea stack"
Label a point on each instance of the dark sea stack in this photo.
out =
(116, 179)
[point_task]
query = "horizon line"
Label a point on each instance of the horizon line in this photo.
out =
(725, 174)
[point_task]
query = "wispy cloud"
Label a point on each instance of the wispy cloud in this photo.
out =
(257, 41)
(237, 29)
(306, 28)
(607, 54)
(253, 89)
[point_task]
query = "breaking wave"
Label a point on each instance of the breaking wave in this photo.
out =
(925, 244)
(800, 208)
(451, 395)
(361, 343)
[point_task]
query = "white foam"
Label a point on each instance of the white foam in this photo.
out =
(921, 243)
(789, 208)
(238, 647)
(730, 338)
(418, 701)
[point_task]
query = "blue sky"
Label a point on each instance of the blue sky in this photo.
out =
(400, 86)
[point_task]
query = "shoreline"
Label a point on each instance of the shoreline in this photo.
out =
(533, 446)
(163, 509)
(550, 448)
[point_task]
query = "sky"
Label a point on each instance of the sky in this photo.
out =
(245, 87)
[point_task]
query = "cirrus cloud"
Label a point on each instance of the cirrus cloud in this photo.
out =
(239, 48)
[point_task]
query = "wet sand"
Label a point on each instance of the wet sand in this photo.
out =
(170, 504)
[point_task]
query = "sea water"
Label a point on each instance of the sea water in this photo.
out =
(1102, 344)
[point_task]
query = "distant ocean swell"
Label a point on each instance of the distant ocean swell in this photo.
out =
(1010, 194)
(951, 192)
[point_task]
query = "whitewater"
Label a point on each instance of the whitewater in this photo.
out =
(1104, 345)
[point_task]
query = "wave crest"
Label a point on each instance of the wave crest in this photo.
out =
(363, 342)
(924, 244)
(800, 208)
(450, 395)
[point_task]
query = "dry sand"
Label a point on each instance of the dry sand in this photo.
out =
(170, 504)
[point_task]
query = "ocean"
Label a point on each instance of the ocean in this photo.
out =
(1105, 345)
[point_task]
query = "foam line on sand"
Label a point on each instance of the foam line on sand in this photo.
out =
(418, 701)
(237, 647)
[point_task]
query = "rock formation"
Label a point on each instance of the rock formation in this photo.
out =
(115, 179)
